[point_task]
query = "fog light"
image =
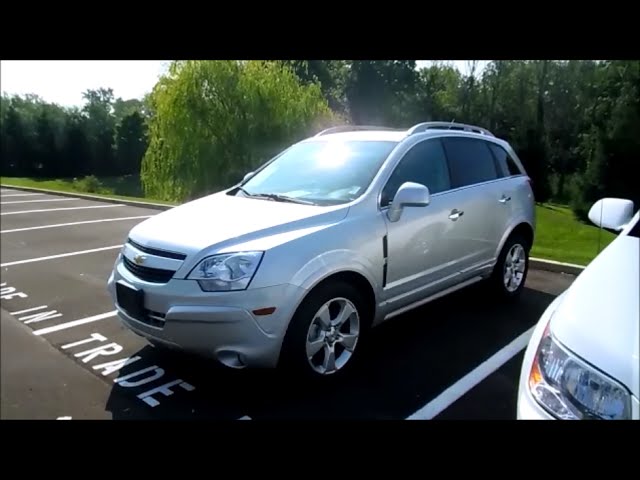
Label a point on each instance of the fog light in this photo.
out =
(231, 359)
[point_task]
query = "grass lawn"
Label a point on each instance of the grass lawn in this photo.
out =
(124, 188)
(559, 236)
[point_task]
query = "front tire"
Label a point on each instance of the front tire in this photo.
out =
(510, 273)
(326, 332)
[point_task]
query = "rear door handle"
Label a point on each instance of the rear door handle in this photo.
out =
(504, 199)
(455, 214)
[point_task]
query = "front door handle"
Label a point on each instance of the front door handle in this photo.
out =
(504, 199)
(455, 214)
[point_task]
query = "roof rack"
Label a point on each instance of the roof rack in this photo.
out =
(422, 127)
(354, 128)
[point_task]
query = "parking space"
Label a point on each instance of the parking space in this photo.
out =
(492, 399)
(99, 213)
(13, 206)
(408, 363)
(71, 240)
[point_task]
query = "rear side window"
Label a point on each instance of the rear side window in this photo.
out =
(470, 161)
(506, 164)
(424, 163)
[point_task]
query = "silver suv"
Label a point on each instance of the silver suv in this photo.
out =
(335, 235)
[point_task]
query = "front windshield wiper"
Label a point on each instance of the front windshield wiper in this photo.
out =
(281, 198)
(240, 189)
(275, 197)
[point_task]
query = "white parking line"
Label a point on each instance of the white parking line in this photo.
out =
(75, 323)
(21, 194)
(74, 223)
(473, 378)
(61, 255)
(39, 201)
(61, 209)
(27, 310)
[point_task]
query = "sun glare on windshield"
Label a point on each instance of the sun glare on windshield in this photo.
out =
(321, 172)
(333, 155)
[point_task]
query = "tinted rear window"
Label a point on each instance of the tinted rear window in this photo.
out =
(506, 164)
(470, 161)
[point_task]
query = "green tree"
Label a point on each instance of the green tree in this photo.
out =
(612, 146)
(331, 75)
(212, 121)
(100, 129)
(382, 92)
(14, 158)
(76, 149)
(123, 108)
(131, 143)
(437, 94)
(47, 155)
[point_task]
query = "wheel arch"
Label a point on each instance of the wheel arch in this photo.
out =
(522, 227)
(350, 276)
(526, 230)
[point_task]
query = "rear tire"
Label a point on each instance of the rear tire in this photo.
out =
(325, 335)
(510, 272)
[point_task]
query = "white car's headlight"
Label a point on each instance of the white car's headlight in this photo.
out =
(571, 389)
(226, 272)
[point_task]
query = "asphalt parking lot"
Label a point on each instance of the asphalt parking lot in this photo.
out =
(66, 355)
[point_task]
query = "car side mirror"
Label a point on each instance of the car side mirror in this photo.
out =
(248, 176)
(409, 195)
(611, 213)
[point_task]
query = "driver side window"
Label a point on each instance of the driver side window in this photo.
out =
(426, 164)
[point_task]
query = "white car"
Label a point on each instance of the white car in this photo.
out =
(582, 359)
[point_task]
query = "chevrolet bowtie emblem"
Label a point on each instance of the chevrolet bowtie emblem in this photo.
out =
(139, 259)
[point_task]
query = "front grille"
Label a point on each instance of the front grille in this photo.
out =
(153, 275)
(157, 252)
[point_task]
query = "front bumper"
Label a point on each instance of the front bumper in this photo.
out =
(220, 325)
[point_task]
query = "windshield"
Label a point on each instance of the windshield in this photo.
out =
(322, 172)
(635, 230)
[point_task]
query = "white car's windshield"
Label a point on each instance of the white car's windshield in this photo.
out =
(322, 172)
(635, 230)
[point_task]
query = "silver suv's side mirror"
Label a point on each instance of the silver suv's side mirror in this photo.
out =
(409, 195)
(248, 176)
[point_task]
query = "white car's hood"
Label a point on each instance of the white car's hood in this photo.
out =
(599, 317)
(221, 219)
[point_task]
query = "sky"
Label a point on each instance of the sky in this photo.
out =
(63, 81)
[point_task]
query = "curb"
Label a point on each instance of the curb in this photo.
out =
(536, 263)
(557, 267)
(85, 196)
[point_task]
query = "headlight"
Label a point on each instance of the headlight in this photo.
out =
(226, 272)
(570, 389)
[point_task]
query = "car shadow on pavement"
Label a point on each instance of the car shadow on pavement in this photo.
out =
(406, 362)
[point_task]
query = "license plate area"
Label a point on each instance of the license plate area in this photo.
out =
(130, 300)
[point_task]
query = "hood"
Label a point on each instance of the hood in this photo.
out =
(222, 220)
(599, 317)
